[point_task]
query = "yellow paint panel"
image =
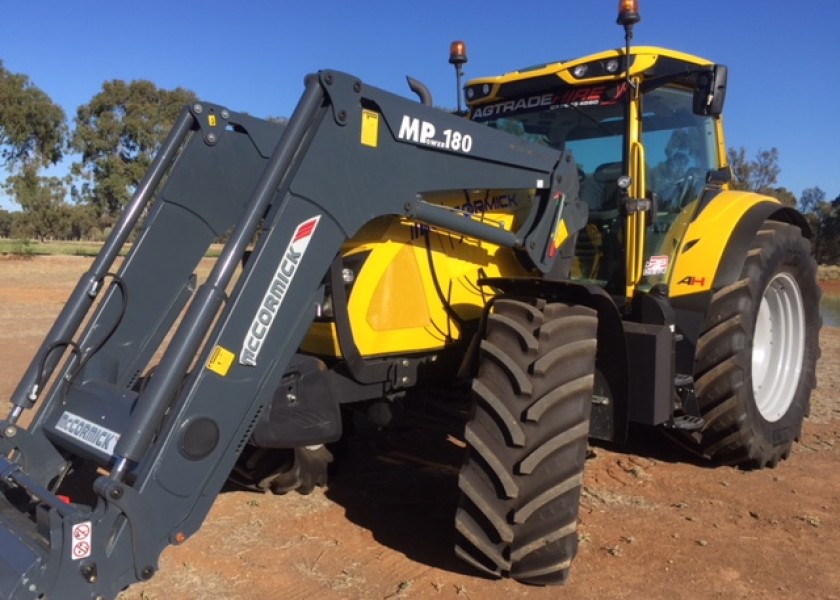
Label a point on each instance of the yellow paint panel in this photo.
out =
(370, 128)
(399, 301)
(706, 238)
(394, 306)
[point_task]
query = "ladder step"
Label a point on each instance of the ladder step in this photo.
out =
(688, 423)
(683, 380)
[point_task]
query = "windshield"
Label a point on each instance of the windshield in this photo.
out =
(680, 148)
(588, 121)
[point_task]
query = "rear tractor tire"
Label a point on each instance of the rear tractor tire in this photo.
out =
(282, 470)
(757, 353)
(527, 440)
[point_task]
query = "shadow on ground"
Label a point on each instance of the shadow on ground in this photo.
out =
(656, 443)
(402, 486)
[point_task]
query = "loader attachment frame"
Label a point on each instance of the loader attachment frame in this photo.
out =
(119, 460)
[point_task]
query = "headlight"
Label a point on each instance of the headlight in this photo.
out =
(325, 310)
(478, 91)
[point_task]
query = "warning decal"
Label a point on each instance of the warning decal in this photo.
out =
(81, 542)
(220, 361)
(656, 265)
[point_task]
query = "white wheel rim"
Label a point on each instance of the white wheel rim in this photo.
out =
(778, 347)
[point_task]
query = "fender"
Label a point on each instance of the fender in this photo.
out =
(712, 251)
(712, 254)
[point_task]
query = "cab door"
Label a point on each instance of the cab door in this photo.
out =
(676, 151)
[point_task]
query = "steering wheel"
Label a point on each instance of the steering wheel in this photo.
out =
(685, 186)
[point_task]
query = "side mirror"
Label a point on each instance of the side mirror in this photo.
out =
(710, 92)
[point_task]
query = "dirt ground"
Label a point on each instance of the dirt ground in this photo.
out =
(655, 522)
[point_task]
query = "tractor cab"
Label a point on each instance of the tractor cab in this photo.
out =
(647, 140)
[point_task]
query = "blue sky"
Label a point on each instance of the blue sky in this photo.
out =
(784, 58)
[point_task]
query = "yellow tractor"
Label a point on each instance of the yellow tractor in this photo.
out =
(570, 255)
(706, 297)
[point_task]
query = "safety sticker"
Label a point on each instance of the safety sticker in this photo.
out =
(370, 128)
(220, 361)
(89, 433)
(656, 265)
(81, 546)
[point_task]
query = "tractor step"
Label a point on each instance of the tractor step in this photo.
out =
(683, 380)
(687, 423)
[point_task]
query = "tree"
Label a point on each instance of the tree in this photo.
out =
(824, 220)
(82, 223)
(811, 199)
(33, 133)
(7, 222)
(117, 134)
(33, 128)
(45, 215)
(782, 194)
(759, 175)
(754, 175)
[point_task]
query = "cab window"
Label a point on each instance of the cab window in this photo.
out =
(680, 147)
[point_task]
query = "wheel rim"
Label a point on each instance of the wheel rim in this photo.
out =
(778, 347)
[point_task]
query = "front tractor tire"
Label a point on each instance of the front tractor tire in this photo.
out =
(526, 441)
(757, 353)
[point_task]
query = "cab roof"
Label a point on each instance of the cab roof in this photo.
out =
(646, 61)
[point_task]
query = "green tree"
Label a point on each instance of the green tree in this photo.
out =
(33, 128)
(6, 223)
(45, 214)
(830, 247)
(83, 223)
(824, 220)
(33, 133)
(117, 134)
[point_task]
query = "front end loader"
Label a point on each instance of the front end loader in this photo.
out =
(164, 381)
(571, 253)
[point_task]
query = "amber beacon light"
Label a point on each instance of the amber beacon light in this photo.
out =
(628, 13)
(458, 58)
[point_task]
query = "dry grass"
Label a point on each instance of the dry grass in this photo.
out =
(828, 272)
(31, 248)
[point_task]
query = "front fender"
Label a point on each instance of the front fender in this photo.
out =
(714, 247)
(712, 254)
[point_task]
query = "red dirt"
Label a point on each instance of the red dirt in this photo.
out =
(655, 522)
(830, 286)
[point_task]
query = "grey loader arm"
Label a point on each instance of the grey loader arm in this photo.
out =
(166, 442)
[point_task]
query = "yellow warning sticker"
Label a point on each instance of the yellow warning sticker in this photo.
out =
(211, 120)
(370, 128)
(220, 361)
